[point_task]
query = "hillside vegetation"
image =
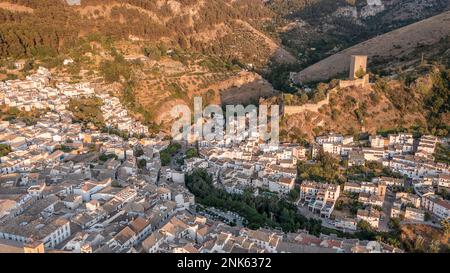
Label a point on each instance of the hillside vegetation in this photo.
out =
(208, 27)
(152, 54)
(155, 54)
(422, 238)
(416, 101)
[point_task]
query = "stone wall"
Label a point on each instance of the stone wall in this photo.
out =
(312, 107)
(364, 81)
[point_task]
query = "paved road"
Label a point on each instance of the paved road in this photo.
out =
(179, 155)
(386, 213)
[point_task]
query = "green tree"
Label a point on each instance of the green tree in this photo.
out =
(394, 223)
(445, 223)
(264, 210)
(325, 170)
(142, 163)
(138, 152)
(113, 70)
(4, 150)
(339, 205)
(165, 158)
(294, 194)
(191, 152)
(166, 154)
(364, 226)
(87, 110)
(365, 231)
(115, 184)
(442, 153)
(434, 247)
(360, 73)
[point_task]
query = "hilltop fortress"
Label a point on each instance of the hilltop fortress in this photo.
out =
(358, 77)
(358, 73)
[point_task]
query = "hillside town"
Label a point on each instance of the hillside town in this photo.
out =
(67, 188)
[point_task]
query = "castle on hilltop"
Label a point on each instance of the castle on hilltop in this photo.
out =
(358, 77)
(358, 73)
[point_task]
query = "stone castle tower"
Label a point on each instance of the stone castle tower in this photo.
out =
(358, 73)
(358, 62)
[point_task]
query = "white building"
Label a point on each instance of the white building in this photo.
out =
(413, 214)
(371, 216)
(439, 207)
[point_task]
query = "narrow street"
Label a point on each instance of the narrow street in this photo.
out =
(386, 213)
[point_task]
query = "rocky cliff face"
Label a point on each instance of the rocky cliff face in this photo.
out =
(373, 8)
